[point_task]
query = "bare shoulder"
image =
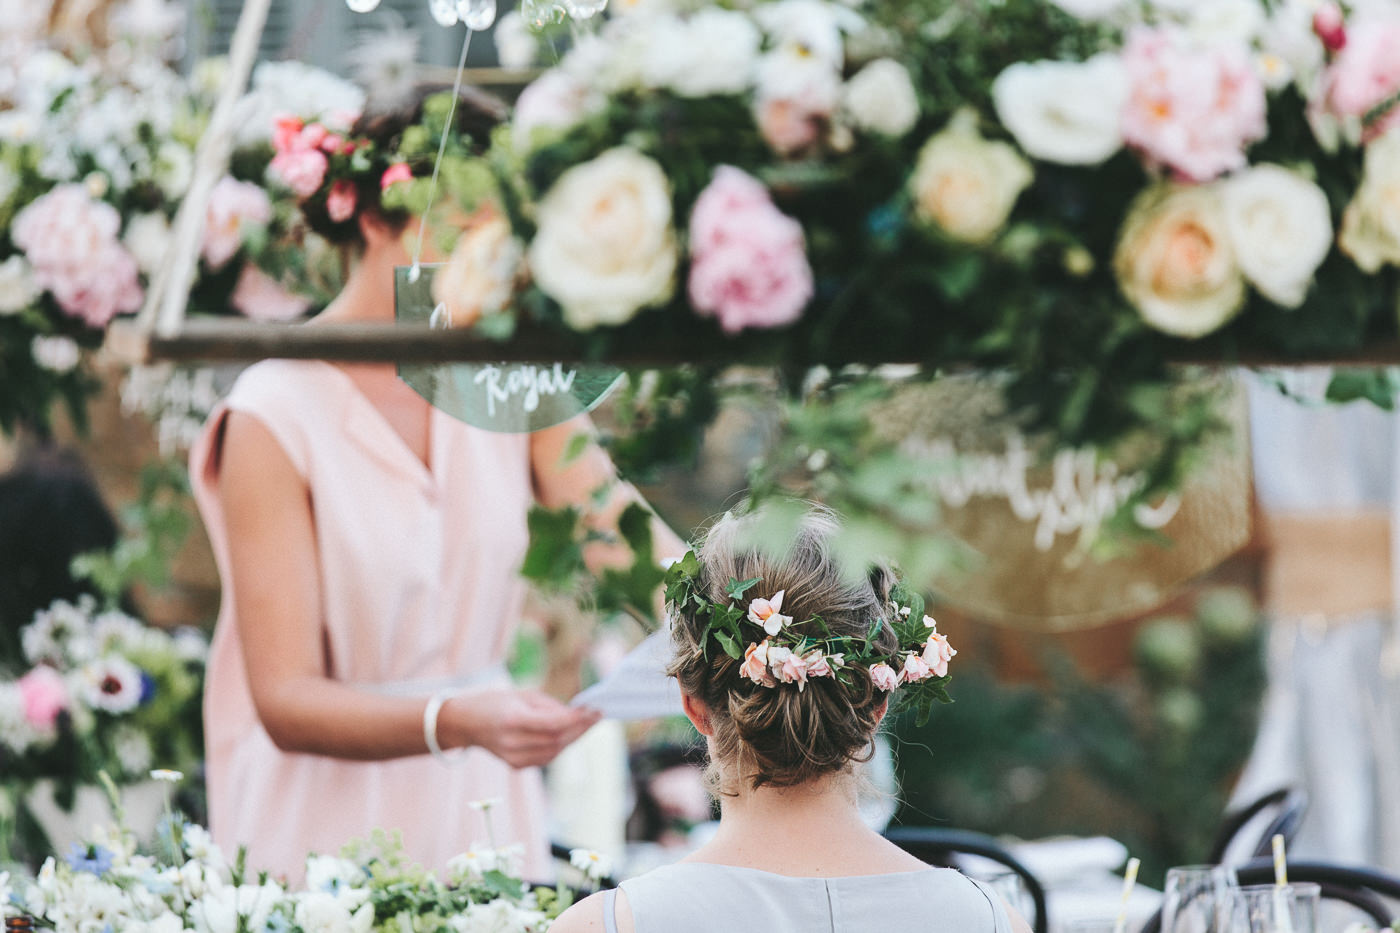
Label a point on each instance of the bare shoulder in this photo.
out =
(587, 916)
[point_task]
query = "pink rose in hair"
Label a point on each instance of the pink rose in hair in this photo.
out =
(286, 132)
(816, 663)
(1193, 110)
(44, 696)
(937, 654)
(915, 669)
(883, 677)
(260, 297)
(394, 174)
(1329, 23)
(332, 144)
(1366, 73)
(340, 202)
(71, 241)
(755, 666)
(788, 666)
(749, 263)
(301, 170)
(765, 612)
(235, 208)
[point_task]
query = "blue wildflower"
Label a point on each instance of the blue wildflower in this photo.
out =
(90, 858)
(148, 689)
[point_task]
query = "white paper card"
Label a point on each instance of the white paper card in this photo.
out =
(638, 688)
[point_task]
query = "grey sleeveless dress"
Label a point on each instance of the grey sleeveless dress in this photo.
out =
(697, 897)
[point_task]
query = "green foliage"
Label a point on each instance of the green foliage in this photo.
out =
(155, 527)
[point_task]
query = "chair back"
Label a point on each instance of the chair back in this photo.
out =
(938, 846)
(1281, 812)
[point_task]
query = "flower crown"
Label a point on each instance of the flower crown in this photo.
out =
(313, 159)
(774, 649)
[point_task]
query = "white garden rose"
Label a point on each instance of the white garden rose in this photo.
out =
(1176, 260)
(1218, 21)
(606, 244)
(1371, 225)
(1064, 112)
(881, 98)
(1281, 228)
(147, 238)
(811, 28)
(516, 45)
(18, 290)
(56, 354)
(967, 185)
(713, 52)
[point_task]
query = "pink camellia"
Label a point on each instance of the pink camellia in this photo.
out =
(915, 669)
(749, 263)
(301, 170)
(260, 297)
(883, 677)
(1366, 73)
(44, 696)
(1193, 110)
(765, 612)
(1329, 23)
(235, 207)
(755, 666)
(394, 174)
(340, 201)
(71, 242)
(937, 654)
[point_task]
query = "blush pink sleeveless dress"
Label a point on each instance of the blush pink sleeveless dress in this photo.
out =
(418, 567)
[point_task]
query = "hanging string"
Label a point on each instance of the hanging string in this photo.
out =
(416, 271)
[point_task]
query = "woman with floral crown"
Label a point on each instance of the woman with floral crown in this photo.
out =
(370, 548)
(787, 663)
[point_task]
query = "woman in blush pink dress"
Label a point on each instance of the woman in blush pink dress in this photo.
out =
(370, 548)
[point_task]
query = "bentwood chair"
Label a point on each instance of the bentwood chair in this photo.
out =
(939, 846)
(1281, 812)
(1362, 888)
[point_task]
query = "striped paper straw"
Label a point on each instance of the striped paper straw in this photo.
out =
(1129, 880)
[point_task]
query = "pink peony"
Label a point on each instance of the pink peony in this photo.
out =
(44, 695)
(260, 297)
(915, 669)
(1367, 72)
(755, 666)
(749, 263)
(883, 677)
(340, 202)
(1191, 109)
(301, 170)
(394, 174)
(937, 654)
(234, 207)
(71, 241)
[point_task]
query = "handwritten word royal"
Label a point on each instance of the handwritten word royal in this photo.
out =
(525, 382)
(1083, 491)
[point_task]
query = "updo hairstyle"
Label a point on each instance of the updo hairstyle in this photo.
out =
(477, 114)
(780, 736)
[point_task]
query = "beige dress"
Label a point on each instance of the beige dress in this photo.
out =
(418, 570)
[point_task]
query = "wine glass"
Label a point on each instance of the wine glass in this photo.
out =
(1273, 908)
(1194, 898)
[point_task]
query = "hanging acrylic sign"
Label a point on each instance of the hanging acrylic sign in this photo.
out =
(508, 398)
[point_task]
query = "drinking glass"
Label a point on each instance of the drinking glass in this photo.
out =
(1011, 887)
(1195, 898)
(1271, 908)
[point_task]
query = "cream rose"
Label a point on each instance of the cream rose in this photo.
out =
(1281, 228)
(1176, 261)
(881, 98)
(968, 185)
(1064, 112)
(1371, 225)
(606, 246)
(479, 278)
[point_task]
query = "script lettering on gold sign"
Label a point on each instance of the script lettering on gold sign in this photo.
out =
(525, 382)
(1083, 492)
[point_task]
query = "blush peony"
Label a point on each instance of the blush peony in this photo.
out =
(235, 209)
(749, 264)
(1191, 109)
(259, 296)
